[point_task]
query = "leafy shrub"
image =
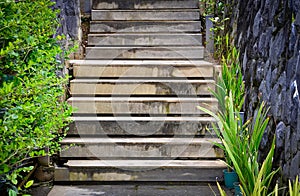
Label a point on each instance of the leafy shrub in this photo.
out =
(31, 93)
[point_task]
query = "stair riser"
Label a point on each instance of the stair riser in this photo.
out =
(184, 53)
(143, 71)
(144, 15)
(138, 128)
(141, 89)
(143, 150)
(154, 175)
(145, 107)
(144, 4)
(147, 27)
(145, 40)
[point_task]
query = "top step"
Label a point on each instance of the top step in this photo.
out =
(145, 4)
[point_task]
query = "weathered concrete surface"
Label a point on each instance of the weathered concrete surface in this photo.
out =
(135, 190)
(136, 15)
(141, 126)
(166, 56)
(142, 68)
(142, 105)
(145, 4)
(116, 87)
(141, 170)
(106, 175)
(141, 147)
(174, 39)
(147, 164)
(163, 53)
(145, 26)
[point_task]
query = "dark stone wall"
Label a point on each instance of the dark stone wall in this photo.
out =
(267, 32)
(70, 26)
(69, 17)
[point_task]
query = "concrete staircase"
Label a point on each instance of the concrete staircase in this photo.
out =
(136, 94)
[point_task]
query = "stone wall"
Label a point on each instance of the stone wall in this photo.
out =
(70, 19)
(267, 33)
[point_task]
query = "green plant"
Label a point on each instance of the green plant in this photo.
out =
(294, 188)
(229, 127)
(31, 93)
(222, 192)
(208, 6)
(221, 12)
(230, 81)
(242, 146)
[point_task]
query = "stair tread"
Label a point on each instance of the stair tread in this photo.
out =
(147, 163)
(140, 81)
(147, 119)
(151, 21)
(93, 140)
(134, 14)
(111, 26)
(145, 4)
(142, 99)
(159, 189)
(145, 39)
(142, 62)
(144, 34)
(146, 47)
(156, 52)
(149, 10)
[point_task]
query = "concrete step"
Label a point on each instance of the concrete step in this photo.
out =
(163, 53)
(138, 189)
(92, 87)
(141, 105)
(145, 26)
(120, 148)
(145, 39)
(103, 126)
(141, 171)
(144, 4)
(142, 68)
(141, 15)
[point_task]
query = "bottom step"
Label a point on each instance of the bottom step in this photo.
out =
(140, 171)
(136, 190)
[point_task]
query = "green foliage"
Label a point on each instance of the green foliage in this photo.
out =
(294, 188)
(230, 81)
(208, 6)
(30, 90)
(222, 192)
(221, 10)
(241, 144)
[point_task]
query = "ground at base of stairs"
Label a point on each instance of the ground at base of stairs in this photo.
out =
(135, 190)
